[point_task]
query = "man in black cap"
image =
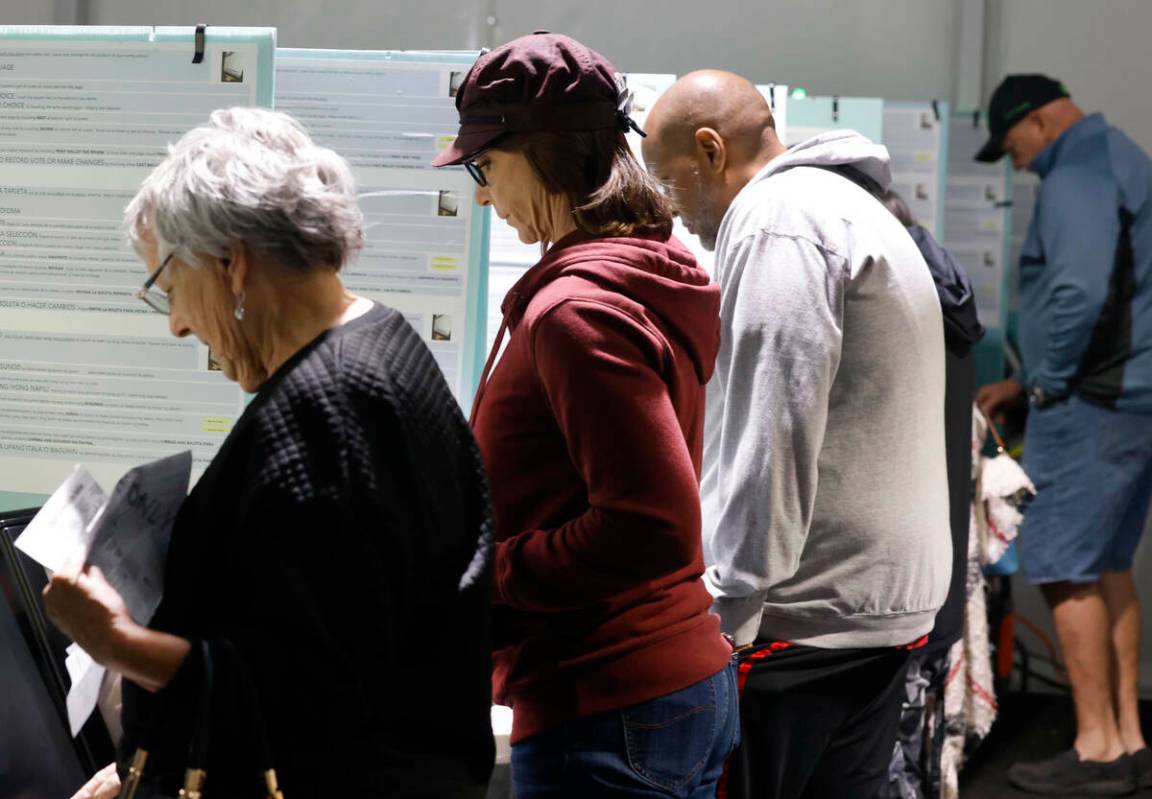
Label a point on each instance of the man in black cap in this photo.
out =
(1085, 338)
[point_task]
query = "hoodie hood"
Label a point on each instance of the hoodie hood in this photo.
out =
(962, 326)
(835, 148)
(662, 276)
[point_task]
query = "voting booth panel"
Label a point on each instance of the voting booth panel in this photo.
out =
(810, 116)
(916, 135)
(87, 371)
(977, 231)
(426, 239)
(38, 756)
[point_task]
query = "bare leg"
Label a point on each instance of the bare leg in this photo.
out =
(1118, 590)
(1084, 630)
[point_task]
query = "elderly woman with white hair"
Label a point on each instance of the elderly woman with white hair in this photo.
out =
(342, 527)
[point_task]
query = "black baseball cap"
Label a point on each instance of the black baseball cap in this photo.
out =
(1015, 98)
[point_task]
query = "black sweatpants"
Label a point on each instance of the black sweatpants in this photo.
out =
(816, 723)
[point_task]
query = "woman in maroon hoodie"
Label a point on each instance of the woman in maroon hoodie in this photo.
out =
(591, 428)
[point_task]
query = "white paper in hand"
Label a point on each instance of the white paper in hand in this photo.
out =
(126, 535)
(86, 676)
(59, 532)
(130, 537)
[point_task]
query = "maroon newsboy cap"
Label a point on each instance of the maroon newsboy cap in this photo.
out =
(537, 83)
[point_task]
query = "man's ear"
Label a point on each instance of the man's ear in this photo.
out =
(1043, 125)
(236, 268)
(711, 146)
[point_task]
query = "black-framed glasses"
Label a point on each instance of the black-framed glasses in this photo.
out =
(156, 299)
(476, 171)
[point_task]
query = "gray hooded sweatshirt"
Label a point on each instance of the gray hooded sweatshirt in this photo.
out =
(824, 486)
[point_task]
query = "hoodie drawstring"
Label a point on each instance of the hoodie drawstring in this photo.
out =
(487, 369)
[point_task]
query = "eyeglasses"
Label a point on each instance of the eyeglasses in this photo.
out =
(477, 172)
(156, 299)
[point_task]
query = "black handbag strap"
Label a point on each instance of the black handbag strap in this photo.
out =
(254, 717)
(202, 729)
(195, 773)
(216, 659)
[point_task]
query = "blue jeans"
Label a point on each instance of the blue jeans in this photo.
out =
(673, 745)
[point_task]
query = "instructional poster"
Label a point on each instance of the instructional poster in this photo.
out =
(89, 373)
(389, 114)
(976, 217)
(916, 135)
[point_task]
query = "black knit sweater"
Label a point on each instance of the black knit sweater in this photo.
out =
(340, 541)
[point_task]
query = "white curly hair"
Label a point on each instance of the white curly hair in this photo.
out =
(253, 177)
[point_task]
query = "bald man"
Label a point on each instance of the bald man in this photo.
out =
(1085, 337)
(824, 488)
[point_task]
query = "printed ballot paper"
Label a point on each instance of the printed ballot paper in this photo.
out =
(129, 538)
(126, 535)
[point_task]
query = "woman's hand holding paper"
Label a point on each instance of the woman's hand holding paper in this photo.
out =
(81, 602)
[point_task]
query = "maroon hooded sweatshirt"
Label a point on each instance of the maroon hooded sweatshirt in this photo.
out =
(591, 428)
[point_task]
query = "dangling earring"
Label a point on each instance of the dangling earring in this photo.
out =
(239, 312)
